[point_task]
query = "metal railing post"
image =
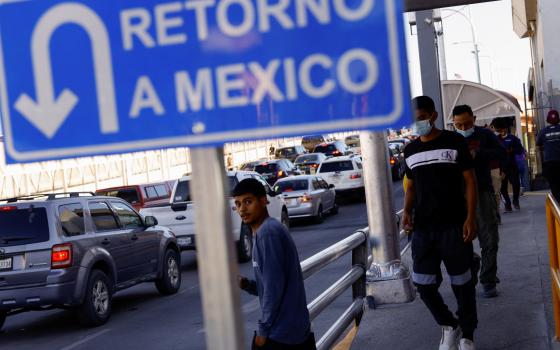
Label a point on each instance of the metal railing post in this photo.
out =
(360, 258)
(388, 279)
(358, 245)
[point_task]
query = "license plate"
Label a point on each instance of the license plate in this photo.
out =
(291, 201)
(5, 264)
(313, 171)
(184, 241)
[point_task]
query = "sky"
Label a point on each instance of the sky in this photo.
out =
(504, 57)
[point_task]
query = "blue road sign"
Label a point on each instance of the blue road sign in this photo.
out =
(90, 77)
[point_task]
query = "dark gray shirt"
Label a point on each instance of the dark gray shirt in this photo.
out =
(279, 285)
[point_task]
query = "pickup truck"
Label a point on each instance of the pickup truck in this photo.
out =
(179, 215)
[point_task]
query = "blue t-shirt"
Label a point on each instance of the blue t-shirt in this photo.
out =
(279, 285)
(549, 138)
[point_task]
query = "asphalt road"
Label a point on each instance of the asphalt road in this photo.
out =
(145, 320)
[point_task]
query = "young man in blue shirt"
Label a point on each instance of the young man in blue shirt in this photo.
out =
(284, 322)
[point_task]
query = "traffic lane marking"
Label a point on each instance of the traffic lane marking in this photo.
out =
(86, 339)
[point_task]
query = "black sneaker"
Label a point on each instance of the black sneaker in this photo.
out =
(516, 206)
(508, 209)
(489, 291)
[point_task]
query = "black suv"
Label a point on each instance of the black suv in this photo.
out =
(333, 149)
(76, 250)
(273, 170)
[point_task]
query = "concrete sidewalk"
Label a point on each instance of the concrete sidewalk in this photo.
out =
(519, 318)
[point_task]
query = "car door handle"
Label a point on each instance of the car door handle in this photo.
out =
(180, 217)
(134, 238)
(106, 242)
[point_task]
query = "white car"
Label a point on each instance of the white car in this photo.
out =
(345, 173)
(179, 214)
(307, 196)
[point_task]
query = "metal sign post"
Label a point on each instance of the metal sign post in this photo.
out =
(388, 280)
(216, 261)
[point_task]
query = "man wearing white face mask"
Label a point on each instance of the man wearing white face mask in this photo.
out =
(485, 148)
(440, 211)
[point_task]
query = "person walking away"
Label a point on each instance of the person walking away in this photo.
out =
(497, 175)
(549, 141)
(284, 322)
(440, 210)
(485, 148)
(521, 160)
(513, 147)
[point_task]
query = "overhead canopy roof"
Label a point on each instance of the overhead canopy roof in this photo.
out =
(486, 103)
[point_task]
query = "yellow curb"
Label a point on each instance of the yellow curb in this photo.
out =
(346, 343)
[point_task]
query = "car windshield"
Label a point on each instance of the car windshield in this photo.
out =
(23, 226)
(307, 158)
(286, 151)
(325, 148)
(248, 166)
(129, 194)
(331, 167)
(291, 186)
(266, 168)
(183, 192)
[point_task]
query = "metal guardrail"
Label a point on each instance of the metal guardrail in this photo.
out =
(553, 222)
(358, 244)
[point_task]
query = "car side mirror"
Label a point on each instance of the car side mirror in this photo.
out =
(150, 221)
(180, 206)
(331, 186)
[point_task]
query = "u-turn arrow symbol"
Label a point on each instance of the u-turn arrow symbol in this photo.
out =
(48, 112)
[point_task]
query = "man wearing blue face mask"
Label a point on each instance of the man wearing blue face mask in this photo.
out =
(440, 211)
(485, 148)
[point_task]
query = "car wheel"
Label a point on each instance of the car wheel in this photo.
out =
(3, 315)
(319, 218)
(334, 209)
(285, 219)
(170, 281)
(245, 244)
(96, 309)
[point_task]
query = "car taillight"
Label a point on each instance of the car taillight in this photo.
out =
(280, 173)
(355, 176)
(315, 165)
(393, 161)
(61, 256)
(336, 153)
(306, 198)
(8, 208)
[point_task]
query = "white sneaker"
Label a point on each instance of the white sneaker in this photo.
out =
(449, 338)
(466, 344)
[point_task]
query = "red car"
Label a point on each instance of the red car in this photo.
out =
(141, 196)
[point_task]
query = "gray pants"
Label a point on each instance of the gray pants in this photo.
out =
(488, 237)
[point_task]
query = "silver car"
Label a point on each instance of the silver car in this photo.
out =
(307, 196)
(75, 252)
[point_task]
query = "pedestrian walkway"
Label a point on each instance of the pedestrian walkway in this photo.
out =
(519, 318)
